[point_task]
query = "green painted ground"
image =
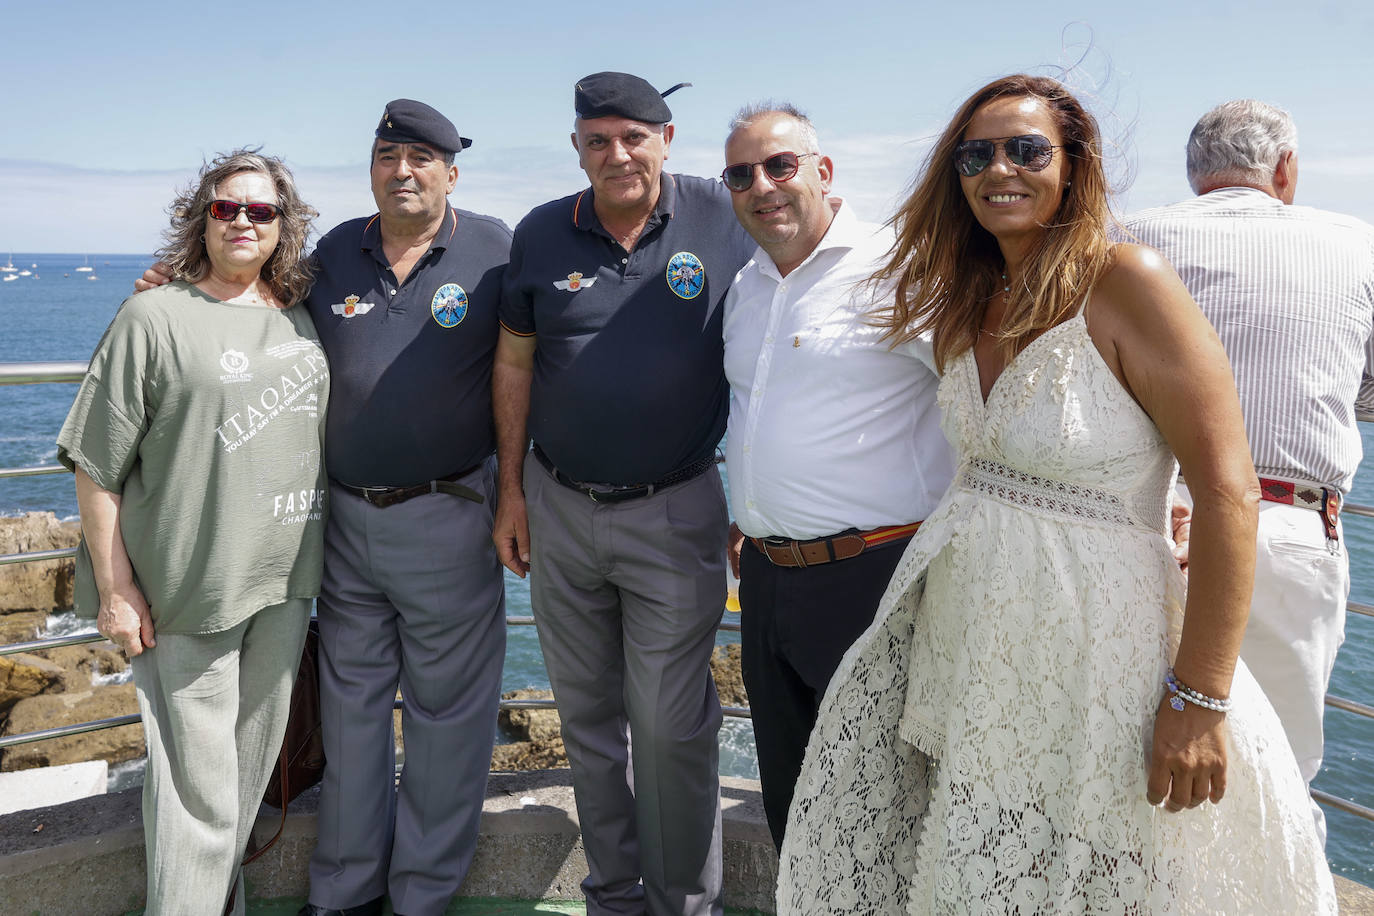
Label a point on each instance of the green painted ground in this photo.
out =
(473, 906)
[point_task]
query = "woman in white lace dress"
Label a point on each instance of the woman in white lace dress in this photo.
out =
(1043, 719)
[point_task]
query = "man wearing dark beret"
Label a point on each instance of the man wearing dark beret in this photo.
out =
(405, 303)
(610, 358)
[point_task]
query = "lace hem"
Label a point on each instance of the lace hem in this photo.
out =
(1030, 491)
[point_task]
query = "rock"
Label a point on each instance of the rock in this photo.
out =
(527, 755)
(114, 745)
(725, 669)
(537, 736)
(44, 586)
(20, 626)
(89, 660)
(23, 676)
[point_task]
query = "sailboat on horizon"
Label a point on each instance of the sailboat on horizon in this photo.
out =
(9, 267)
(85, 267)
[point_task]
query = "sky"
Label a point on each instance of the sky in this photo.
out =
(107, 108)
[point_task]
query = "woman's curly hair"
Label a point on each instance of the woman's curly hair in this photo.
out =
(288, 272)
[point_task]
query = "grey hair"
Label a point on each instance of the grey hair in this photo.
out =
(754, 111)
(288, 272)
(1239, 141)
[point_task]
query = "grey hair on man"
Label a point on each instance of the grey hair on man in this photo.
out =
(1239, 142)
(755, 110)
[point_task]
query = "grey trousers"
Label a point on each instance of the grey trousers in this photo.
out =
(627, 597)
(214, 711)
(413, 597)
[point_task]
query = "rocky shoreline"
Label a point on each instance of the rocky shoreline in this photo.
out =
(54, 687)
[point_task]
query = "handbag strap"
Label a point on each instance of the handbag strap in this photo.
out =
(257, 853)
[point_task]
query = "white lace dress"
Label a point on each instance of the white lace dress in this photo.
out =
(983, 747)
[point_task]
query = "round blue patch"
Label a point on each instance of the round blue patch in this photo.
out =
(686, 275)
(449, 305)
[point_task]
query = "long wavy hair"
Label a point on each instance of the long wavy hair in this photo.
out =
(288, 272)
(947, 267)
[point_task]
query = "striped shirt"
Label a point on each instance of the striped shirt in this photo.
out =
(1290, 291)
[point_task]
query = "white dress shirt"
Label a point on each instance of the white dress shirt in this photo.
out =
(830, 427)
(1290, 291)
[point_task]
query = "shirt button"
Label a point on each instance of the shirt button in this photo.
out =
(393, 292)
(624, 260)
(768, 339)
(748, 449)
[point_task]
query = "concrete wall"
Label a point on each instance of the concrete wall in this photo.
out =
(86, 857)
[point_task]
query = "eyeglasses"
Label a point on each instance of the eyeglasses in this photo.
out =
(1031, 152)
(226, 210)
(778, 167)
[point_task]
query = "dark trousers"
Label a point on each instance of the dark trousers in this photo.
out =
(795, 626)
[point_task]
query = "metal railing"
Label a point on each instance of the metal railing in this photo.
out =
(29, 373)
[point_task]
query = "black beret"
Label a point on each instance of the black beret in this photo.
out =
(621, 95)
(409, 121)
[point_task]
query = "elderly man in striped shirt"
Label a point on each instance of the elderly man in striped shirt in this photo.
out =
(1290, 290)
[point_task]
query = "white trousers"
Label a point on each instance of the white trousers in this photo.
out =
(1297, 622)
(214, 711)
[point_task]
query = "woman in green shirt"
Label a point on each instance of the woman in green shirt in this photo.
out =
(197, 439)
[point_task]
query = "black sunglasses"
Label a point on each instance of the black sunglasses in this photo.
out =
(1031, 152)
(778, 167)
(226, 210)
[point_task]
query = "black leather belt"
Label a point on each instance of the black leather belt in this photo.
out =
(612, 493)
(381, 497)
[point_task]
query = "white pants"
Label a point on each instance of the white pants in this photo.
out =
(214, 711)
(1297, 622)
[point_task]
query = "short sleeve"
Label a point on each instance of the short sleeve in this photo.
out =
(111, 412)
(516, 311)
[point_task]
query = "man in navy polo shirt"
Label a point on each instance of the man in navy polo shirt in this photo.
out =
(405, 303)
(610, 358)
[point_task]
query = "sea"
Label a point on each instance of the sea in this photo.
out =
(54, 311)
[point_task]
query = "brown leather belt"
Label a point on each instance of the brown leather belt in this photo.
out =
(800, 554)
(1326, 501)
(381, 497)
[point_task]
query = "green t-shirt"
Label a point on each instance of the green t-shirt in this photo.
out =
(208, 419)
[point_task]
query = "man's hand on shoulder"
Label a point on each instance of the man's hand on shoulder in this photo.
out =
(160, 274)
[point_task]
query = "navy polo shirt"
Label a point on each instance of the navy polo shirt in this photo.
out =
(410, 363)
(628, 381)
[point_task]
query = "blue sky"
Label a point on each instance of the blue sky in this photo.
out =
(106, 109)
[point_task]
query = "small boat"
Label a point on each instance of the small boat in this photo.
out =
(25, 273)
(86, 267)
(8, 267)
(9, 277)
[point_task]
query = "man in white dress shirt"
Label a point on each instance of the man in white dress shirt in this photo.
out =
(833, 449)
(1290, 289)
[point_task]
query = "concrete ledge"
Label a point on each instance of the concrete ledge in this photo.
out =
(87, 856)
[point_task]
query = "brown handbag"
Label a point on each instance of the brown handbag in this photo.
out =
(302, 749)
(301, 762)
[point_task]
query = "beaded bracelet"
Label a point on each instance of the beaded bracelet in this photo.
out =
(1183, 692)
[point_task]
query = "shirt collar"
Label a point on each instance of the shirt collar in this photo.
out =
(845, 232)
(372, 234)
(584, 210)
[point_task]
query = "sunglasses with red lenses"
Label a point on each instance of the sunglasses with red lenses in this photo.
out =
(778, 167)
(1031, 152)
(226, 210)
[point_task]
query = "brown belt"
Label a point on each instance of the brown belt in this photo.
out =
(1326, 501)
(381, 497)
(783, 552)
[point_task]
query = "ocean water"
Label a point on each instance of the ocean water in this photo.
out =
(57, 313)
